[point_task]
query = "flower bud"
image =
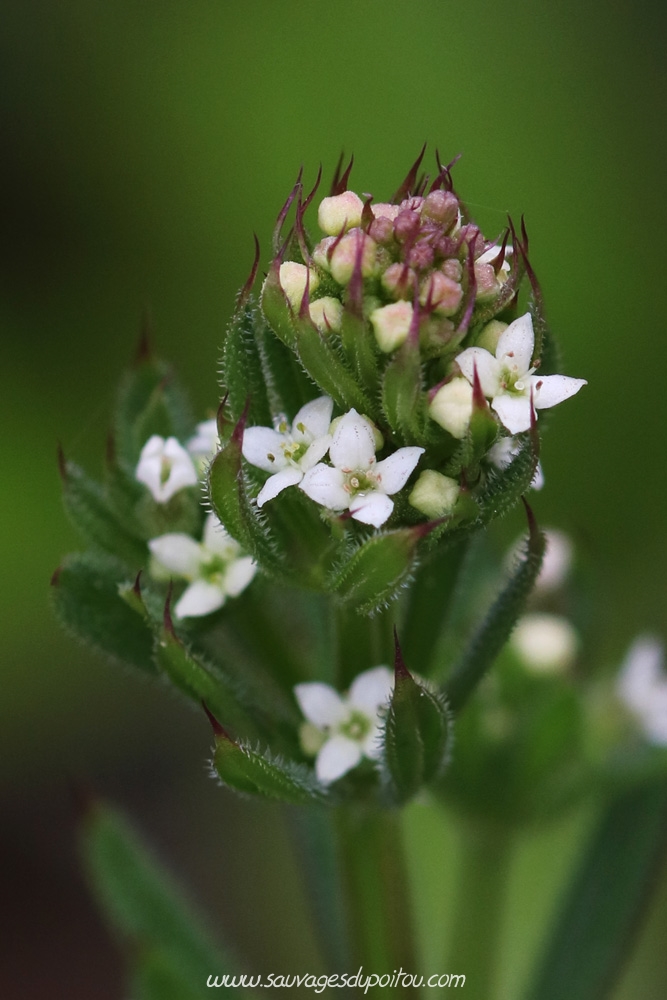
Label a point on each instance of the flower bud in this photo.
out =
(384, 210)
(382, 230)
(490, 335)
(398, 280)
(326, 313)
(293, 280)
(434, 494)
(321, 252)
(545, 643)
(406, 226)
(451, 407)
(452, 269)
(487, 282)
(344, 257)
(442, 207)
(339, 213)
(441, 293)
(391, 324)
(421, 256)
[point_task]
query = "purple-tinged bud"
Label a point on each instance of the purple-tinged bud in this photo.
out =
(486, 280)
(391, 325)
(293, 280)
(452, 405)
(406, 226)
(382, 230)
(322, 250)
(339, 213)
(420, 256)
(412, 204)
(346, 253)
(452, 269)
(442, 207)
(472, 237)
(326, 314)
(384, 210)
(441, 294)
(399, 280)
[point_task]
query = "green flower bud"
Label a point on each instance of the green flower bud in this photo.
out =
(451, 407)
(391, 325)
(434, 494)
(293, 280)
(339, 213)
(326, 313)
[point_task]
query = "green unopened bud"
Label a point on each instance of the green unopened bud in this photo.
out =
(490, 335)
(293, 280)
(326, 313)
(451, 407)
(340, 213)
(344, 257)
(391, 325)
(434, 494)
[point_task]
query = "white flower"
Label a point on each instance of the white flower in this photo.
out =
(351, 725)
(215, 567)
(508, 380)
(165, 468)
(204, 443)
(289, 452)
(357, 482)
(557, 562)
(504, 451)
(546, 643)
(642, 687)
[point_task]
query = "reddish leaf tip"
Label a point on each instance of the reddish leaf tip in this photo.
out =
(245, 291)
(55, 576)
(218, 729)
(168, 621)
(62, 463)
(144, 350)
(401, 672)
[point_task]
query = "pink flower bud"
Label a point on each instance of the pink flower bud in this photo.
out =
(452, 268)
(487, 283)
(399, 280)
(441, 207)
(384, 210)
(382, 230)
(406, 226)
(344, 257)
(440, 292)
(420, 256)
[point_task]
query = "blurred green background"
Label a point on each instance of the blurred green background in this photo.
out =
(144, 143)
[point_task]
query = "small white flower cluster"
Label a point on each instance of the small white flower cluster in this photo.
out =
(354, 481)
(214, 568)
(343, 729)
(642, 688)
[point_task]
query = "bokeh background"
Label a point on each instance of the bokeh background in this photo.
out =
(144, 142)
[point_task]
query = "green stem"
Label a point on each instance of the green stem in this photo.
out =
(362, 642)
(478, 913)
(376, 889)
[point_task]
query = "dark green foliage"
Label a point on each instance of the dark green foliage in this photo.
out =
(258, 772)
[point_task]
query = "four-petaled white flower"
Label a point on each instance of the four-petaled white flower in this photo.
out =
(357, 482)
(349, 726)
(215, 567)
(508, 379)
(165, 468)
(289, 452)
(642, 687)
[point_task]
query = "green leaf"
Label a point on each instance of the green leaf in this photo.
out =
(276, 308)
(142, 902)
(402, 397)
(495, 630)
(232, 504)
(287, 385)
(416, 735)
(374, 573)
(150, 401)
(199, 681)
(326, 368)
(91, 514)
(158, 977)
(606, 899)
(87, 602)
(360, 349)
(241, 372)
(257, 772)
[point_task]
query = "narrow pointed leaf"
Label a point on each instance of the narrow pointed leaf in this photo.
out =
(328, 371)
(91, 514)
(428, 606)
(150, 401)
(606, 899)
(276, 307)
(86, 600)
(416, 736)
(140, 899)
(255, 772)
(241, 371)
(287, 385)
(360, 350)
(495, 630)
(377, 570)
(402, 396)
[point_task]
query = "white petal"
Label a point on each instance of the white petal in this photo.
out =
(353, 445)
(178, 553)
(321, 704)
(392, 473)
(158, 456)
(313, 419)
(642, 671)
(238, 575)
(262, 446)
(324, 485)
(548, 390)
(488, 369)
(276, 484)
(204, 443)
(518, 340)
(338, 756)
(200, 598)
(514, 412)
(371, 745)
(217, 540)
(537, 482)
(654, 723)
(371, 508)
(490, 255)
(371, 690)
(316, 451)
